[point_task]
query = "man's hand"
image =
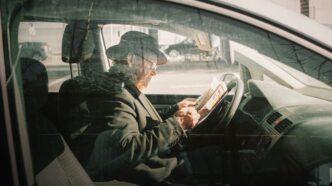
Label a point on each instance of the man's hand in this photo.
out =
(203, 112)
(188, 102)
(187, 117)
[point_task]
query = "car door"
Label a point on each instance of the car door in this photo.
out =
(227, 30)
(5, 141)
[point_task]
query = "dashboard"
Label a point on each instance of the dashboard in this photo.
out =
(278, 127)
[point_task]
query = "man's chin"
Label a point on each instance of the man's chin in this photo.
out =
(142, 86)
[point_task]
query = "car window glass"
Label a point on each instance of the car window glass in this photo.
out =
(42, 41)
(212, 35)
(271, 45)
(197, 44)
(301, 59)
(190, 67)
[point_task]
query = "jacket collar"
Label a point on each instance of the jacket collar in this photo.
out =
(137, 94)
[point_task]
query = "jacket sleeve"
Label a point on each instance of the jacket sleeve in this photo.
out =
(168, 111)
(121, 118)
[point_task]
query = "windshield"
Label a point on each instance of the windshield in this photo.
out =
(300, 76)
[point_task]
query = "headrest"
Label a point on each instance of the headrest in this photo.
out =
(35, 82)
(78, 42)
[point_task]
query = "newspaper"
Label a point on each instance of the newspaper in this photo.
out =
(210, 97)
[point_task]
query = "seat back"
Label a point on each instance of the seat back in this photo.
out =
(77, 46)
(53, 161)
(74, 114)
(75, 110)
(64, 170)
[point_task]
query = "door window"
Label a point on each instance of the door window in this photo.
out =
(193, 61)
(42, 41)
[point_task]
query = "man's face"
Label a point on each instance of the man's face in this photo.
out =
(146, 68)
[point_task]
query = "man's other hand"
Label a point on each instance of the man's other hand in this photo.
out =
(187, 117)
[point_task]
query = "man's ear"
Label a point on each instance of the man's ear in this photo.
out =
(130, 58)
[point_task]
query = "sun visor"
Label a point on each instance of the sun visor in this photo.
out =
(77, 42)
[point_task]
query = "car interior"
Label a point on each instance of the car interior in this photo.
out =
(272, 127)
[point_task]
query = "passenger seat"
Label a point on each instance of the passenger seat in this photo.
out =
(53, 162)
(76, 112)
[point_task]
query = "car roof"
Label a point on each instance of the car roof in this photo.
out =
(282, 17)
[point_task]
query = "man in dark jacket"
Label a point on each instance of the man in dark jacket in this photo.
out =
(136, 145)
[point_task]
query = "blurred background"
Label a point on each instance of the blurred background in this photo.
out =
(318, 10)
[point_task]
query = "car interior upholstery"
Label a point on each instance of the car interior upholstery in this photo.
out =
(54, 163)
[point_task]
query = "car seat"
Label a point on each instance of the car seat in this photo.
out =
(53, 162)
(76, 105)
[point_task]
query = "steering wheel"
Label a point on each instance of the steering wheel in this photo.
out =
(221, 114)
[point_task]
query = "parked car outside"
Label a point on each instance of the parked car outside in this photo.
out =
(34, 50)
(187, 46)
(188, 50)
